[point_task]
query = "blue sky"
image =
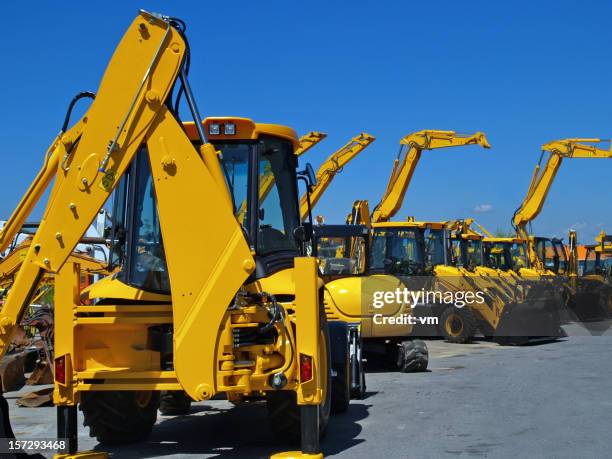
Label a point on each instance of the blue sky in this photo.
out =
(523, 72)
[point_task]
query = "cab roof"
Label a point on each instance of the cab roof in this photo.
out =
(409, 224)
(245, 129)
(510, 240)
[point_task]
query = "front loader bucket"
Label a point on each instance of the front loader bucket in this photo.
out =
(535, 319)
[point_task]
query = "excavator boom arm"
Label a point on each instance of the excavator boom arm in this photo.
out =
(543, 177)
(413, 145)
(307, 141)
(332, 166)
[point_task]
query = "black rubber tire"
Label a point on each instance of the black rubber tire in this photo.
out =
(116, 417)
(358, 391)
(284, 413)
(174, 402)
(463, 326)
(412, 356)
(341, 382)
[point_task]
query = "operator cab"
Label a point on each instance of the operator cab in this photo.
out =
(598, 258)
(342, 250)
(409, 248)
(466, 251)
(259, 166)
(505, 254)
(553, 254)
(397, 250)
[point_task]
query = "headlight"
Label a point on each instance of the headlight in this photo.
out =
(214, 129)
(229, 129)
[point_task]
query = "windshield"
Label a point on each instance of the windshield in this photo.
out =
(396, 251)
(466, 253)
(341, 255)
(590, 263)
(473, 249)
(271, 218)
(518, 254)
(562, 256)
(434, 249)
(235, 164)
(137, 241)
(497, 256)
(552, 254)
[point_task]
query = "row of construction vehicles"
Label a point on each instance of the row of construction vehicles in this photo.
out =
(523, 278)
(217, 281)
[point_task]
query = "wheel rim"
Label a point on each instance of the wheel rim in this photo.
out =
(454, 325)
(142, 398)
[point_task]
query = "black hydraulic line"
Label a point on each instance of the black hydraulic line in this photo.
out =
(181, 27)
(75, 99)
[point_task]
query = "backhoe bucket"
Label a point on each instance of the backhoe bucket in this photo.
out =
(534, 319)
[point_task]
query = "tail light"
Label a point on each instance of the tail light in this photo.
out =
(60, 369)
(305, 368)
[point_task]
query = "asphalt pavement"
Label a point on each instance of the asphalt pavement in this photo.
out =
(549, 400)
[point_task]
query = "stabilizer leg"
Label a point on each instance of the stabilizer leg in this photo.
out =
(67, 428)
(311, 448)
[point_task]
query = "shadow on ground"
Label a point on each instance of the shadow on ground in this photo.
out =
(234, 432)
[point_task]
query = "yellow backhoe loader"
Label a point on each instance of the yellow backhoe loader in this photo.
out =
(202, 302)
(547, 254)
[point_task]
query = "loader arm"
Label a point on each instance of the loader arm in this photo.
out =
(57, 151)
(543, 178)
(332, 166)
(411, 148)
(11, 264)
(307, 141)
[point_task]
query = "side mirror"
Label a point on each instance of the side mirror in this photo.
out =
(309, 174)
